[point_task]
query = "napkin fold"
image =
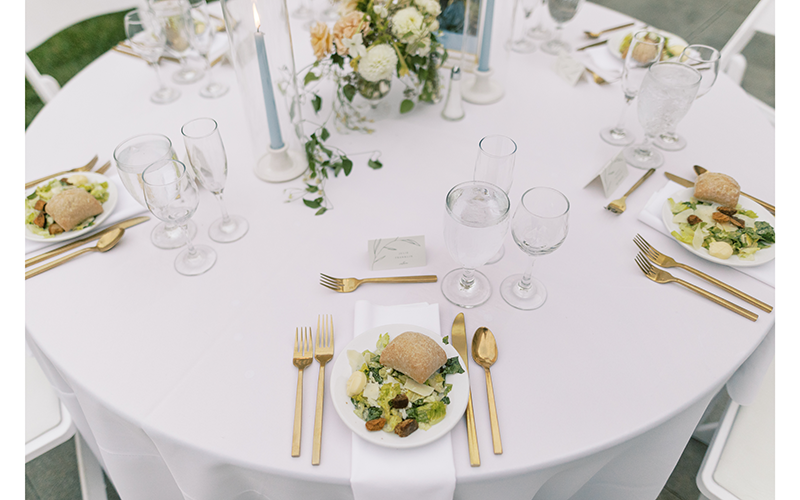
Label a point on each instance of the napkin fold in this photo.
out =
(426, 472)
(600, 60)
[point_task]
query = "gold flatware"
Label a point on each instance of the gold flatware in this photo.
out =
(596, 44)
(680, 180)
(323, 354)
(104, 168)
(597, 78)
(303, 356)
(662, 260)
(84, 168)
(106, 243)
(219, 27)
(618, 206)
(660, 276)
(75, 244)
(124, 48)
(458, 335)
(596, 34)
(700, 170)
(346, 285)
(484, 352)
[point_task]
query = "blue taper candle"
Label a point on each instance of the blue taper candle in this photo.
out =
(486, 41)
(275, 139)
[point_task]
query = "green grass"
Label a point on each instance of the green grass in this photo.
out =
(67, 52)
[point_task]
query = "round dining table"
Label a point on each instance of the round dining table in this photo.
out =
(184, 387)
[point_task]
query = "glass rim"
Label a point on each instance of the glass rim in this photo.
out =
(201, 119)
(160, 163)
(522, 202)
(637, 34)
(117, 150)
(492, 155)
(676, 64)
(502, 217)
(714, 51)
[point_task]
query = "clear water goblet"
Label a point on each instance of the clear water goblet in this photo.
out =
(519, 42)
(475, 223)
(539, 32)
(171, 196)
(209, 162)
(495, 165)
(539, 226)
(202, 39)
(562, 11)
(147, 40)
(176, 19)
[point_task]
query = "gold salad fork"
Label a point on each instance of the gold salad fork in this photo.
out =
(618, 206)
(303, 356)
(660, 276)
(324, 353)
(104, 168)
(84, 168)
(662, 260)
(346, 285)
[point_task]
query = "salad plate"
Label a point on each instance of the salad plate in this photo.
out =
(760, 257)
(674, 42)
(108, 207)
(344, 407)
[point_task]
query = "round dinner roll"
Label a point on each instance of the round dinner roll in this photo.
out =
(717, 188)
(414, 354)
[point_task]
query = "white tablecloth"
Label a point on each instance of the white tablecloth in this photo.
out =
(184, 387)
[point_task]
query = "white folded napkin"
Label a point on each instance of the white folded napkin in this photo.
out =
(651, 215)
(426, 472)
(600, 60)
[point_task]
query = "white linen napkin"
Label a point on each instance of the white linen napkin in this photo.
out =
(426, 472)
(651, 215)
(600, 60)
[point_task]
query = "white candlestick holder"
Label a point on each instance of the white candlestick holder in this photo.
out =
(281, 165)
(481, 88)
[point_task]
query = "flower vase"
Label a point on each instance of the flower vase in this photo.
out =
(373, 92)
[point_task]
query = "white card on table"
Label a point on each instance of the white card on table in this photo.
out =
(396, 253)
(612, 174)
(569, 68)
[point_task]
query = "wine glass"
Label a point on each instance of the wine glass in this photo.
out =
(644, 50)
(561, 11)
(539, 226)
(171, 195)
(521, 43)
(148, 40)
(668, 91)
(132, 157)
(210, 164)
(706, 60)
(202, 38)
(539, 32)
(495, 165)
(177, 22)
(475, 223)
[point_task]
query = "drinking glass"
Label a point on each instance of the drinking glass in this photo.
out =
(177, 22)
(495, 165)
(148, 40)
(561, 11)
(539, 32)
(171, 195)
(704, 59)
(210, 164)
(202, 38)
(539, 226)
(519, 43)
(667, 93)
(644, 50)
(475, 223)
(132, 157)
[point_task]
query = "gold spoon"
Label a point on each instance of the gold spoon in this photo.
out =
(104, 244)
(484, 352)
(596, 34)
(700, 170)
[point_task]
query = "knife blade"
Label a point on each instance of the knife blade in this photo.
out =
(591, 45)
(680, 180)
(459, 339)
(75, 244)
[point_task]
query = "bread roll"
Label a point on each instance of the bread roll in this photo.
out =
(414, 354)
(717, 188)
(71, 207)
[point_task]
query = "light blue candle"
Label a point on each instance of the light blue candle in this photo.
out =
(486, 41)
(275, 139)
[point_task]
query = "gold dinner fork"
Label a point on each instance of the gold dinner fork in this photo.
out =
(323, 354)
(346, 285)
(618, 206)
(662, 260)
(84, 168)
(103, 169)
(660, 276)
(303, 356)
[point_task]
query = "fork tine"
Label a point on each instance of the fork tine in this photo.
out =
(644, 247)
(308, 347)
(332, 287)
(330, 331)
(331, 278)
(643, 264)
(651, 248)
(329, 281)
(295, 342)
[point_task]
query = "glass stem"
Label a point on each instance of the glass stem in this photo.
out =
(525, 282)
(189, 247)
(644, 148)
(670, 135)
(225, 217)
(557, 36)
(468, 278)
(208, 71)
(619, 128)
(161, 85)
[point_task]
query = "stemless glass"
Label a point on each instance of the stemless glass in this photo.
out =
(539, 227)
(148, 40)
(202, 38)
(495, 165)
(704, 59)
(171, 196)
(539, 32)
(644, 50)
(177, 22)
(475, 223)
(132, 157)
(519, 43)
(666, 95)
(561, 11)
(210, 164)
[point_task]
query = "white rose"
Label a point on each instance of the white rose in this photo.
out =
(381, 11)
(406, 21)
(431, 7)
(378, 64)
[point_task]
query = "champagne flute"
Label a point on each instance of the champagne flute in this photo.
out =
(475, 223)
(644, 50)
(495, 165)
(171, 195)
(539, 32)
(202, 38)
(148, 40)
(561, 11)
(210, 164)
(540, 225)
(177, 22)
(521, 43)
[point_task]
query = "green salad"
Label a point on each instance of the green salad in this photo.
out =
(45, 192)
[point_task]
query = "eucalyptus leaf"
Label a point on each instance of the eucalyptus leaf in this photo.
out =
(311, 203)
(349, 92)
(324, 134)
(406, 106)
(317, 103)
(347, 164)
(321, 211)
(310, 77)
(374, 164)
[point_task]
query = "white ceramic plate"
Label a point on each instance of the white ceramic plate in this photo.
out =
(615, 40)
(761, 257)
(458, 395)
(108, 207)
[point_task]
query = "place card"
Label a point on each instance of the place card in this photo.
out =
(569, 68)
(396, 253)
(611, 175)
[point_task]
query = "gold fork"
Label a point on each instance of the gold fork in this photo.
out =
(660, 276)
(618, 206)
(323, 354)
(84, 168)
(103, 169)
(346, 285)
(662, 260)
(303, 356)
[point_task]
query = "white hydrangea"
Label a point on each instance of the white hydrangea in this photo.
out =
(381, 11)
(378, 64)
(423, 47)
(405, 21)
(431, 7)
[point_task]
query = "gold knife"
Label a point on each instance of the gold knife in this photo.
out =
(700, 170)
(75, 244)
(687, 183)
(459, 340)
(84, 168)
(591, 45)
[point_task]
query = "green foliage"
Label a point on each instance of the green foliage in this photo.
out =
(406, 106)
